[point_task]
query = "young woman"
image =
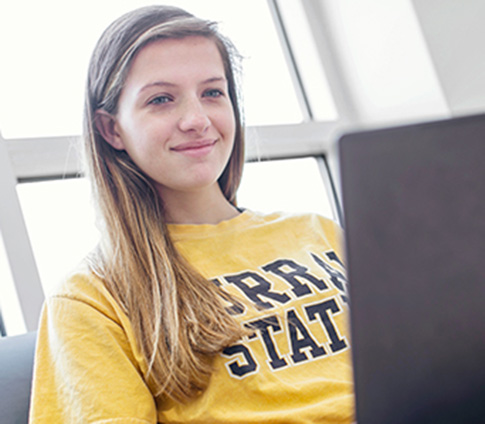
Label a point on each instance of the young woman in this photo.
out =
(191, 310)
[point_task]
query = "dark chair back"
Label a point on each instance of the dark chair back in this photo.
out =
(16, 364)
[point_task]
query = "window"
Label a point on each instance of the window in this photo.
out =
(290, 185)
(310, 67)
(61, 222)
(45, 52)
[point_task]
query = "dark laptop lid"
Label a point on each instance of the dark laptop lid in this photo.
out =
(414, 208)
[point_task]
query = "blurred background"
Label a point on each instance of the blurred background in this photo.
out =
(313, 69)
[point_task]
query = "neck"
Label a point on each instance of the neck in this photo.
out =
(201, 207)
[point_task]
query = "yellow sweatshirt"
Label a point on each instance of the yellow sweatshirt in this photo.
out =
(294, 369)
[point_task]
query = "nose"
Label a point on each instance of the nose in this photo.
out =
(194, 117)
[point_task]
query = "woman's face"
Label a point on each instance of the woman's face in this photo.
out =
(175, 118)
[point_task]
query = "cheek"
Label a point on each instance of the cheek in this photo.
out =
(142, 149)
(227, 124)
(142, 138)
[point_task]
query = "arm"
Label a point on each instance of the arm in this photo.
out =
(86, 368)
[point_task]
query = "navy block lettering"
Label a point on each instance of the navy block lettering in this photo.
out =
(293, 277)
(235, 307)
(336, 277)
(323, 310)
(256, 292)
(263, 326)
(237, 368)
(300, 339)
(334, 257)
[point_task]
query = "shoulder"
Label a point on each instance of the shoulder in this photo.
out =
(82, 308)
(83, 289)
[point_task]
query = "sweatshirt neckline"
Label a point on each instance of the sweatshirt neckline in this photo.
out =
(180, 231)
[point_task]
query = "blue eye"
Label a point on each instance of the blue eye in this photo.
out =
(213, 93)
(160, 100)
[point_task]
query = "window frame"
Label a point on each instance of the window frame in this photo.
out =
(44, 158)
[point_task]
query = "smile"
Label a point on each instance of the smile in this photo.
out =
(195, 148)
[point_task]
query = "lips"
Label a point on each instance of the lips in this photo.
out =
(194, 145)
(195, 148)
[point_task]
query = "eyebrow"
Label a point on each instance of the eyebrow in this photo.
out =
(169, 84)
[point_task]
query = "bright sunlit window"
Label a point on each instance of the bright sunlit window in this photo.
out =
(380, 70)
(45, 48)
(290, 185)
(61, 224)
(309, 64)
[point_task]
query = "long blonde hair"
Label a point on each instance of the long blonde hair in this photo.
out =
(180, 320)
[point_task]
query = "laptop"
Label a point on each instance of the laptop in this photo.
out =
(414, 217)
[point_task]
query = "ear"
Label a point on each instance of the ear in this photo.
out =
(106, 125)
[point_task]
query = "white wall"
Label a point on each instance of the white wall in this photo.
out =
(455, 34)
(381, 50)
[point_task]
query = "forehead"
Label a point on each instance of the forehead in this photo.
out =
(179, 58)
